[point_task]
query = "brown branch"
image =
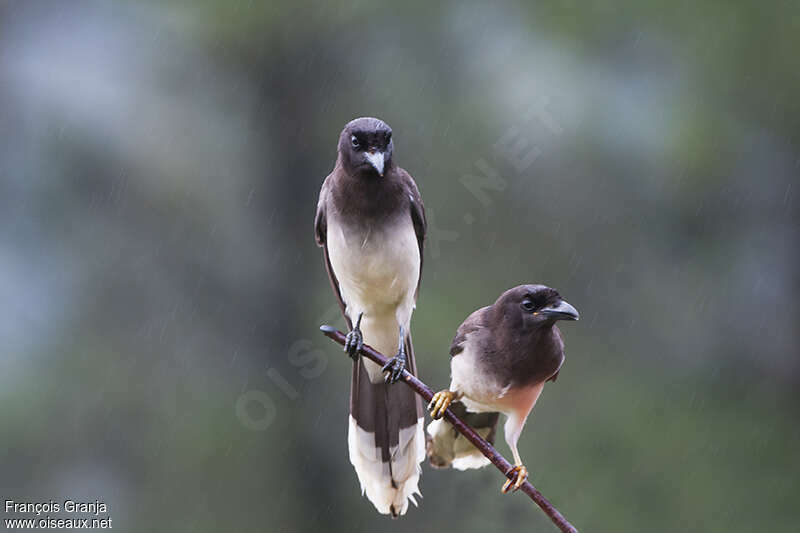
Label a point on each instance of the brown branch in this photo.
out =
(485, 448)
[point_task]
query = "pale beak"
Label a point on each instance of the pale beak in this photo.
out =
(376, 160)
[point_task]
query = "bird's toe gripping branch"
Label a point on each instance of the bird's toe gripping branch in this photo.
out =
(354, 340)
(396, 364)
(440, 402)
(515, 483)
(394, 368)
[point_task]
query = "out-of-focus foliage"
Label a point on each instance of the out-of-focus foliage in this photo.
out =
(159, 170)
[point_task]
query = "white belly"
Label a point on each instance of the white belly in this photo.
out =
(378, 274)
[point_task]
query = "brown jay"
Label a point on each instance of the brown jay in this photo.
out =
(501, 357)
(370, 224)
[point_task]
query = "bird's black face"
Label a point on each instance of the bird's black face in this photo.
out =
(366, 147)
(537, 306)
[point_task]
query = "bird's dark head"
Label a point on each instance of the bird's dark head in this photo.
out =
(535, 306)
(365, 147)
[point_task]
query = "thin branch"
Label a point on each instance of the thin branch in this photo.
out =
(485, 448)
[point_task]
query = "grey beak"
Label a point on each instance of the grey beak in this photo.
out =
(562, 311)
(376, 160)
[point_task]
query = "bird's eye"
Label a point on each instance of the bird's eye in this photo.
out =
(354, 141)
(528, 305)
(388, 137)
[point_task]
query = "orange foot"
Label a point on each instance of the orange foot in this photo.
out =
(440, 402)
(515, 483)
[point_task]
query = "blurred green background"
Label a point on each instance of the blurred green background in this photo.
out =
(161, 288)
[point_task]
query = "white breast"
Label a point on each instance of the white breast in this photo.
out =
(378, 272)
(481, 392)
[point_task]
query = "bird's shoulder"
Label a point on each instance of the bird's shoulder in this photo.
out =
(409, 185)
(473, 324)
(320, 219)
(414, 198)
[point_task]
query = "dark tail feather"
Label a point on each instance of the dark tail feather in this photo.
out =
(385, 438)
(447, 447)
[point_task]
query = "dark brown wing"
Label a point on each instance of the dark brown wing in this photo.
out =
(321, 234)
(417, 217)
(473, 323)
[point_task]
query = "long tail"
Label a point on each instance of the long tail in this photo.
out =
(447, 447)
(386, 438)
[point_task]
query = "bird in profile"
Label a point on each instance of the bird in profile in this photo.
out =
(501, 357)
(370, 223)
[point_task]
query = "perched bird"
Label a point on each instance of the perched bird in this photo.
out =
(501, 357)
(370, 223)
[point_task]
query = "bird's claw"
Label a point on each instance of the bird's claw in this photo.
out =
(439, 403)
(353, 343)
(515, 483)
(394, 367)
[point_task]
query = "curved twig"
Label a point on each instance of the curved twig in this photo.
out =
(485, 448)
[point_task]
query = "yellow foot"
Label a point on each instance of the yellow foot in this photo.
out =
(516, 483)
(440, 402)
